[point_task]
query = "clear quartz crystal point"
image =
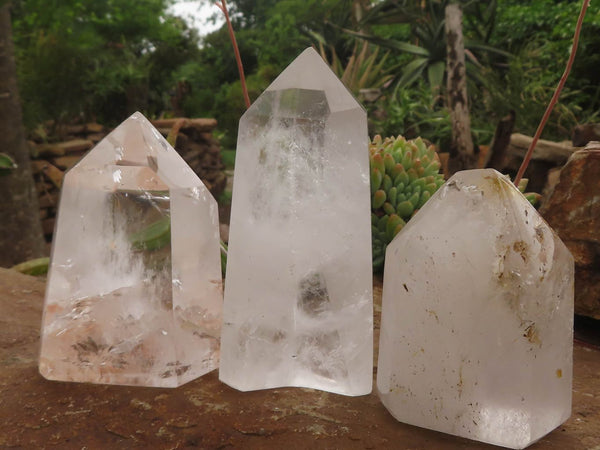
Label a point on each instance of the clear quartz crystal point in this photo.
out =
(477, 320)
(134, 291)
(298, 296)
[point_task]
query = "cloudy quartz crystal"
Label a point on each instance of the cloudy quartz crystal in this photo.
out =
(134, 291)
(298, 295)
(477, 319)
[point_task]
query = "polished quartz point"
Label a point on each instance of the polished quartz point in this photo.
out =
(477, 319)
(298, 296)
(134, 291)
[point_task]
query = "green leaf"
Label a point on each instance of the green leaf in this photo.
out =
(487, 48)
(376, 179)
(387, 12)
(435, 74)
(533, 197)
(389, 208)
(378, 199)
(523, 184)
(412, 71)
(155, 236)
(408, 48)
(405, 209)
(38, 266)
(391, 43)
(7, 164)
(394, 224)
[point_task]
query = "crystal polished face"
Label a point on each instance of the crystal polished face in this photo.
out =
(477, 317)
(298, 296)
(134, 289)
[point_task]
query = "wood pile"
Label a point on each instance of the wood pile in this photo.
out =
(547, 157)
(54, 150)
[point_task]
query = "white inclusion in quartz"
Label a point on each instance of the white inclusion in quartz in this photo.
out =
(298, 293)
(134, 291)
(477, 321)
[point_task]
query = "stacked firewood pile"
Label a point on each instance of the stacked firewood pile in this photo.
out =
(54, 150)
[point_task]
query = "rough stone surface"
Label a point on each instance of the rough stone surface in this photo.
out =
(477, 319)
(573, 210)
(37, 413)
(582, 134)
(134, 289)
(298, 296)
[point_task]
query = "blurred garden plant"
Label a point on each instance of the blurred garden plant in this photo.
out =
(7, 164)
(365, 69)
(427, 46)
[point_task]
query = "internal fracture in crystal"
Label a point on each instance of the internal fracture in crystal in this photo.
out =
(134, 291)
(477, 318)
(298, 296)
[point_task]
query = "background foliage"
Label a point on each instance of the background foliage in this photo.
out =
(100, 59)
(539, 33)
(104, 59)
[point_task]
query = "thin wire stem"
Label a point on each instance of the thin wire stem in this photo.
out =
(223, 7)
(559, 88)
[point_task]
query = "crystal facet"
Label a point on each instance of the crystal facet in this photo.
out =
(134, 291)
(477, 318)
(298, 296)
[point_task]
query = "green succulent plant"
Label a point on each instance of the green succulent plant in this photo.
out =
(38, 266)
(404, 175)
(532, 197)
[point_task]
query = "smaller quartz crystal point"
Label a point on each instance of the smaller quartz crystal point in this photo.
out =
(134, 291)
(477, 319)
(298, 305)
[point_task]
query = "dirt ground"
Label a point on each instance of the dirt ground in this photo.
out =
(36, 413)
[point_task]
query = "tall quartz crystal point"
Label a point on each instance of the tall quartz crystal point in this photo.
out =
(477, 319)
(298, 296)
(134, 292)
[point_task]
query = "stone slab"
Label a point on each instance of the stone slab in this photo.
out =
(572, 208)
(205, 413)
